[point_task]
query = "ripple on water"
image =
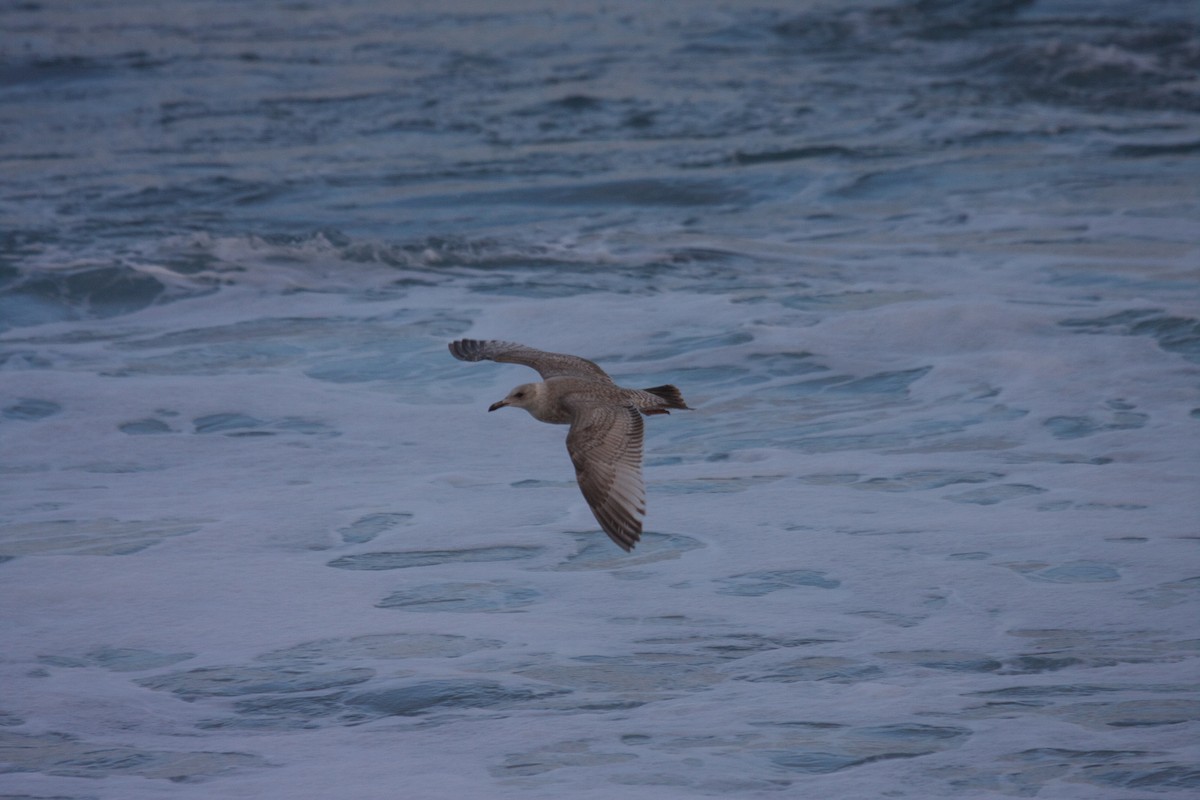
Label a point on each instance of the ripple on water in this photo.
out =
(991, 495)
(574, 753)
(757, 584)
(1132, 713)
(1171, 593)
(424, 558)
(1071, 572)
(918, 480)
(238, 424)
(714, 485)
(1179, 335)
(409, 699)
(596, 551)
(380, 647)
(301, 687)
(62, 754)
(144, 427)
(233, 681)
(30, 409)
(951, 660)
(787, 748)
(712, 647)
(1026, 773)
(366, 528)
(625, 674)
(463, 597)
(832, 669)
(100, 537)
(1106, 648)
(854, 747)
(1080, 427)
(117, 659)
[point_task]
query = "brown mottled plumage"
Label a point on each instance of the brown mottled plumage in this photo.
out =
(605, 439)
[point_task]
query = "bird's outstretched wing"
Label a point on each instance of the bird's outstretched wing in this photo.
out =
(548, 365)
(605, 444)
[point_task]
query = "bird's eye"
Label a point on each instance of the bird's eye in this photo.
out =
(520, 394)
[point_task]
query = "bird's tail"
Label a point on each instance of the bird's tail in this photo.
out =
(668, 393)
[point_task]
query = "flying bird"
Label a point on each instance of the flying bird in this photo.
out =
(605, 438)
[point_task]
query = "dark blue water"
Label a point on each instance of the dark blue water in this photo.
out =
(139, 137)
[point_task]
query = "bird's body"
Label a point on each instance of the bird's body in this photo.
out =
(605, 439)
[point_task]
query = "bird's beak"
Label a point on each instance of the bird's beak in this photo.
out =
(500, 404)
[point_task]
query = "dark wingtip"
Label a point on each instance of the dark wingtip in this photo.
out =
(465, 349)
(623, 535)
(671, 394)
(626, 540)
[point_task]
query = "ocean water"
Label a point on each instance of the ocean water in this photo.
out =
(929, 273)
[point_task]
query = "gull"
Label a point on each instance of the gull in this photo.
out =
(605, 438)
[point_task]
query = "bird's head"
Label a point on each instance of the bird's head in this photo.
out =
(524, 396)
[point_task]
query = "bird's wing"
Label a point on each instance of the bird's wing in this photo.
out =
(549, 365)
(605, 443)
